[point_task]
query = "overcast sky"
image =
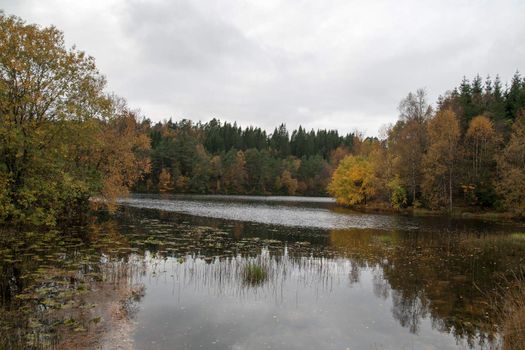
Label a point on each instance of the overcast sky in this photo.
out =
(323, 64)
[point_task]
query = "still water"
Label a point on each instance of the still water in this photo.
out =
(329, 278)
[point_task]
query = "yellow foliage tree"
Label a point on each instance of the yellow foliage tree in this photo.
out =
(407, 143)
(63, 139)
(165, 183)
(511, 163)
(288, 182)
(353, 181)
(480, 142)
(121, 157)
(440, 160)
(382, 165)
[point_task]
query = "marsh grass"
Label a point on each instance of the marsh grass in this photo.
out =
(254, 274)
(512, 313)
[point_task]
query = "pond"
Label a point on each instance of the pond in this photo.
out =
(240, 272)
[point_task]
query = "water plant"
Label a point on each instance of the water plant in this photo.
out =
(512, 312)
(254, 274)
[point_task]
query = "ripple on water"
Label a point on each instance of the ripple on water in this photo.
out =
(282, 211)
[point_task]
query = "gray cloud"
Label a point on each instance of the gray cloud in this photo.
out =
(337, 64)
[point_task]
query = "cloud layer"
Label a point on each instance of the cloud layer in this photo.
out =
(330, 64)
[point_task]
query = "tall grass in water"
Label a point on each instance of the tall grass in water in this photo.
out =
(512, 313)
(254, 274)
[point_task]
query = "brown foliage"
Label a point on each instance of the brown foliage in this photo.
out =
(440, 160)
(511, 164)
(407, 140)
(64, 139)
(513, 315)
(480, 144)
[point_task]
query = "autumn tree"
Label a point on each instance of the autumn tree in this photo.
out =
(119, 154)
(398, 194)
(165, 181)
(288, 182)
(63, 139)
(511, 163)
(415, 107)
(480, 141)
(353, 181)
(407, 140)
(337, 155)
(382, 165)
(480, 144)
(440, 160)
(234, 173)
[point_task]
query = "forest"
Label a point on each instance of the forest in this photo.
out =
(223, 158)
(68, 144)
(468, 152)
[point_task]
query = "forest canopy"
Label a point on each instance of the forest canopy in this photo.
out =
(222, 158)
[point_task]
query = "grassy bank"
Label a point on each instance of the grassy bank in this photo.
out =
(457, 212)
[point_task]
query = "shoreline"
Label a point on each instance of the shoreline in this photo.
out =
(374, 207)
(382, 208)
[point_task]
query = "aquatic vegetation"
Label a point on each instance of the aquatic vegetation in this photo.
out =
(511, 310)
(54, 283)
(254, 274)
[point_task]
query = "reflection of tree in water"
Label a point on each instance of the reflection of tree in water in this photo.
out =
(381, 287)
(407, 307)
(446, 276)
(425, 275)
(441, 276)
(409, 310)
(355, 273)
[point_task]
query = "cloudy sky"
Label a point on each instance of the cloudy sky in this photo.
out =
(340, 64)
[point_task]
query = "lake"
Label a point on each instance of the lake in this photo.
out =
(241, 272)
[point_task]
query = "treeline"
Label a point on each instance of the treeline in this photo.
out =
(223, 158)
(468, 152)
(63, 139)
(66, 143)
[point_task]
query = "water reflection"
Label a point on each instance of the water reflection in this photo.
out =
(330, 289)
(434, 283)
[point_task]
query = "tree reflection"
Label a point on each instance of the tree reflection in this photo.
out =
(446, 276)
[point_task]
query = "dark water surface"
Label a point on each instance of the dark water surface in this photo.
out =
(332, 278)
